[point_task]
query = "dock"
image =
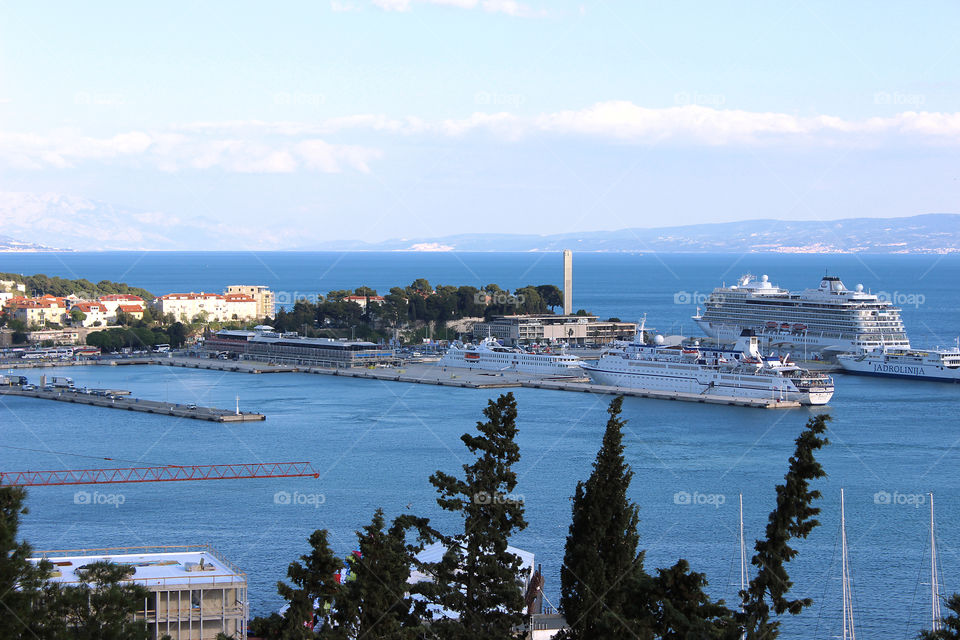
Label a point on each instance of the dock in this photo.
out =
(118, 399)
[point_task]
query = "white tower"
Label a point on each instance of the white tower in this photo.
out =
(567, 282)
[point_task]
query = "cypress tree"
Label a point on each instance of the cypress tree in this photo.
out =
(375, 603)
(314, 588)
(793, 517)
(478, 579)
(601, 564)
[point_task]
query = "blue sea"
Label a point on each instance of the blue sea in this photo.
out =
(375, 443)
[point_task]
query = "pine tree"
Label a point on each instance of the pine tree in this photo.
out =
(951, 623)
(478, 579)
(101, 607)
(314, 588)
(793, 517)
(601, 559)
(375, 603)
(26, 596)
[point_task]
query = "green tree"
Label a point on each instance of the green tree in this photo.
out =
(364, 291)
(102, 606)
(77, 316)
(375, 602)
(951, 623)
(477, 579)
(793, 517)
(601, 559)
(313, 590)
(26, 596)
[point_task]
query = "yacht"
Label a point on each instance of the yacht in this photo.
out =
(828, 319)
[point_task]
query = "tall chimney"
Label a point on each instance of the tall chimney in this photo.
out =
(567, 282)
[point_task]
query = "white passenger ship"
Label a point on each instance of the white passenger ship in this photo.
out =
(491, 355)
(742, 373)
(830, 318)
(941, 365)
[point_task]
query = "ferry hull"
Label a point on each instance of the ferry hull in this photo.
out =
(706, 385)
(909, 372)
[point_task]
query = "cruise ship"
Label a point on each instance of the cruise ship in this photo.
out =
(491, 355)
(942, 365)
(741, 373)
(830, 318)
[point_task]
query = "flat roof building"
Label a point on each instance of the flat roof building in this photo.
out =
(195, 592)
(291, 348)
(570, 329)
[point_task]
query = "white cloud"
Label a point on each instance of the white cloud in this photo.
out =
(626, 122)
(177, 151)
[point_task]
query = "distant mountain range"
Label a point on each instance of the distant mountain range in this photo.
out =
(42, 221)
(929, 233)
(10, 244)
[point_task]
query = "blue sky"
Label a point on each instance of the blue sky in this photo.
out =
(395, 118)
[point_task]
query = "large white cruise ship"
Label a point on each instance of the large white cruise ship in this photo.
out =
(491, 355)
(742, 373)
(830, 318)
(942, 365)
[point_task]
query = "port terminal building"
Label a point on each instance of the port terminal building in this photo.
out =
(291, 348)
(195, 593)
(516, 330)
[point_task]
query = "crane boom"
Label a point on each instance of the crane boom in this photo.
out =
(169, 473)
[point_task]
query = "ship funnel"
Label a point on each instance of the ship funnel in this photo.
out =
(748, 346)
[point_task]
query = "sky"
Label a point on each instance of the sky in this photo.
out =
(281, 125)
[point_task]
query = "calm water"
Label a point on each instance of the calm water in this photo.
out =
(375, 443)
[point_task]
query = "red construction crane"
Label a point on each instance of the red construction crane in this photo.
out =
(168, 473)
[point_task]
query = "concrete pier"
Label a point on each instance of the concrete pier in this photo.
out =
(116, 401)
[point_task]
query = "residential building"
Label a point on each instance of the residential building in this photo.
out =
(95, 314)
(364, 300)
(134, 311)
(133, 305)
(37, 312)
(56, 336)
(218, 308)
(13, 287)
(570, 329)
(195, 593)
(264, 297)
(240, 306)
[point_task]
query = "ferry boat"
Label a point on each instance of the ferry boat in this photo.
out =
(830, 318)
(741, 373)
(941, 365)
(491, 355)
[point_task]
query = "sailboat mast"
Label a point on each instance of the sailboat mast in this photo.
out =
(934, 577)
(848, 631)
(743, 563)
